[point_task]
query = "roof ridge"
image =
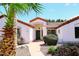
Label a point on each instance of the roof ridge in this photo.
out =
(68, 21)
(39, 19)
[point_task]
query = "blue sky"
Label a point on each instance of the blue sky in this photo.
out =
(53, 11)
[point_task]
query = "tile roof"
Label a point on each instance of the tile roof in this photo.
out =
(53, 25)
(67, 22)
(38, 18)
(1, 16)
(25, 23)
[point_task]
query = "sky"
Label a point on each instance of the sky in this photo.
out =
(53, 11)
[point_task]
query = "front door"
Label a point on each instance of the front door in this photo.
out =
(37, 34)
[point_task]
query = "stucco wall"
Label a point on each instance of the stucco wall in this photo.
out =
(44, 31)
(32, 34)
(26, 32)
(67, 33)
(2, 23)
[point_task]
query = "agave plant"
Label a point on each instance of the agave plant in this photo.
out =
(8, 42)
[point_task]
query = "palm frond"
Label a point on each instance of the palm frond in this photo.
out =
(27, 7)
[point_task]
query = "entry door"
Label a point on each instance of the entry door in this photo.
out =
(37, 34)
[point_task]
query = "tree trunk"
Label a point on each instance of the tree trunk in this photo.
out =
(8, 42)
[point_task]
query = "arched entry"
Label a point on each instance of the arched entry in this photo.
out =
(39, 31)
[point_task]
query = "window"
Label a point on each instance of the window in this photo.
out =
(18, 33)
(51, 32)
(76, 32)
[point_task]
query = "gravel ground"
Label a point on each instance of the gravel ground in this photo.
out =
(44, 50)
(22, 51)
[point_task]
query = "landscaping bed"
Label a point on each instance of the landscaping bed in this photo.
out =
(65, 50)
(44, 50)
(62, 50)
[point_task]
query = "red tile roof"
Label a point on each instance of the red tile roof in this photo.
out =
(38, 18)
(25, 23)
(69, 21)
(19, 21)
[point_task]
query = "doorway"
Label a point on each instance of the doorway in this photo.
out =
(38, 35)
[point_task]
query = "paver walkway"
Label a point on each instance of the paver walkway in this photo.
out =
(34, 48)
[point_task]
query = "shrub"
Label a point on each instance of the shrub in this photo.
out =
(20, 41)
(50, 39)
(67, 51)
(51, 50)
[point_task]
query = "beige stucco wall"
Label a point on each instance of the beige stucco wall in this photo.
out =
(26, 32)
(67, 33)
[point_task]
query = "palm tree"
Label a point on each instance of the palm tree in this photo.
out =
(8, 42)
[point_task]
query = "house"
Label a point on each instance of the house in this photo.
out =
(68, 32)
(37, 28)
(40, 27)
(28, 32)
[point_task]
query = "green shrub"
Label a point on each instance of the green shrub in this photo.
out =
(51, 50)
(50, 39)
